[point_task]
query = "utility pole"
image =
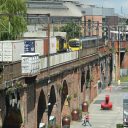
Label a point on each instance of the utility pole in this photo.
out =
(118, 77)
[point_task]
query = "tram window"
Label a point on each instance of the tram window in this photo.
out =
(74, 43)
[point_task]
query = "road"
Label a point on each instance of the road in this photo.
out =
(106, 118)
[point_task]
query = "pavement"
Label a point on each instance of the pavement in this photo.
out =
(105, 118)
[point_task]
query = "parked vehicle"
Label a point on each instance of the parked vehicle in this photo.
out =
(125, 110)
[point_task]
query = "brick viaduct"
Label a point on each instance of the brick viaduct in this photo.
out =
(55, 91)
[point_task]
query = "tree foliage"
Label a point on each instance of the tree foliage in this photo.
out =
(13, 24)
(72, 29)
(127, 22)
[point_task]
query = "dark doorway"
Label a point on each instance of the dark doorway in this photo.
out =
(64, 93)
(82, 80)
(13, 118)
(88, 78)
(41, 107)
(52, 100)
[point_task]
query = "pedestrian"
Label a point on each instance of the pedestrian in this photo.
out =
(86, 119)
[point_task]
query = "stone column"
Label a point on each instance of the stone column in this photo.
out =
(23, 102)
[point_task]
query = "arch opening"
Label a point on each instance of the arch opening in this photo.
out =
(88, 78)
(13, 118)
(41, 107)
(52, 101)
(82, 80)
(64, 93)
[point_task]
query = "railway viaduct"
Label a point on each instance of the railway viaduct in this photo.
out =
(54, 91)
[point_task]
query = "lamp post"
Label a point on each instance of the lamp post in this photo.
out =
(119, 52)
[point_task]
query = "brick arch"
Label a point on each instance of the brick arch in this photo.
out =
(102, 72)
(82, 80)
(55, 89)
(106, 71)
(41, 107)
(87, 84)
(51, 100)
(64, 93)
(13, 118)
(87, 77)
(101, 66)
(110, 67)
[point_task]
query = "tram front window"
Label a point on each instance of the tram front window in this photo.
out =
(74, 44)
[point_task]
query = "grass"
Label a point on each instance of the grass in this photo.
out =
(124, 79)
(119, 126)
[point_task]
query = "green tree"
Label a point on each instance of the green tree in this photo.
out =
(13, 24)
(72, 29)
(127, 22)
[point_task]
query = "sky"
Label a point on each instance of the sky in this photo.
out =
(120, 6)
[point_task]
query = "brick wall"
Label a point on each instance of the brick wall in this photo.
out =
(124, 63)
(2, 108)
